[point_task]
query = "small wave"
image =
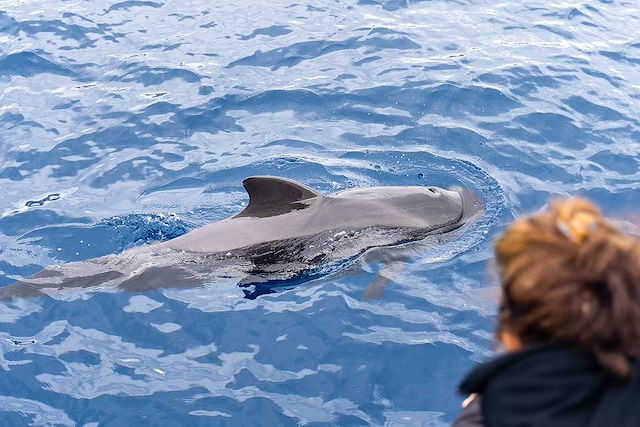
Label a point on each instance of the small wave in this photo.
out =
(28, 64)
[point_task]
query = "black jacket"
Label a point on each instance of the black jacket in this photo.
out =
(549, 386)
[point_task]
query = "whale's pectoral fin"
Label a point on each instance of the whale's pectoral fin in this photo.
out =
(376, 289)
(392, 263)
(269, 196)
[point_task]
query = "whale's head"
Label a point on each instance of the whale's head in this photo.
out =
(426, 208)
(438, 208)
(472, 206)
(459, 205)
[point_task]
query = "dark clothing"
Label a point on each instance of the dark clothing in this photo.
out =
(551, 386)
(471, 415)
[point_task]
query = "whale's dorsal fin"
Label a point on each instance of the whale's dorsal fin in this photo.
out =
(270, 196)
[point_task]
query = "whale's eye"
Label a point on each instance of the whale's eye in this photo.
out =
(433, 190)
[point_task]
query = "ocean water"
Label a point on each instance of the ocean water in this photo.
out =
(124, 123)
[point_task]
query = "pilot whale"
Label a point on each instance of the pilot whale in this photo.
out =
(286, 231)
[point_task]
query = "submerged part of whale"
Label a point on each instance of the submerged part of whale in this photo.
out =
(286, 233)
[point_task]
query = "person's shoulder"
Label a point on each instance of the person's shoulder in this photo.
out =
(471, 415)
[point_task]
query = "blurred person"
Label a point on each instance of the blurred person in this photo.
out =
(569, 320)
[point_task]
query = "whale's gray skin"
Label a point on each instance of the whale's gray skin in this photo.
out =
(286, 229)
(281, 209)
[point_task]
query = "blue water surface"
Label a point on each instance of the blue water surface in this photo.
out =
(129, 122)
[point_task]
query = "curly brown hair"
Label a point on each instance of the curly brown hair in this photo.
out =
(569, 276)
